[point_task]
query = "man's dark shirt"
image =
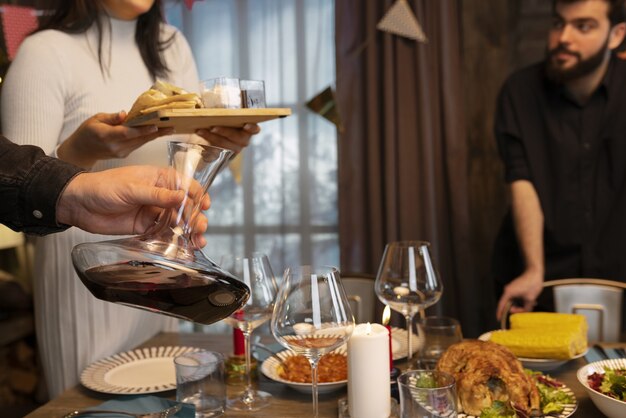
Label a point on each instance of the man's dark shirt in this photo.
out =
(575, 156)
(30, 185)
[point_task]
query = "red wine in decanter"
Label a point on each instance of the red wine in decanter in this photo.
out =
(191, 294)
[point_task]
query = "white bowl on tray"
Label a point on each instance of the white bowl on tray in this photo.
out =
(270, 368)
(610, 407)
(539, 364)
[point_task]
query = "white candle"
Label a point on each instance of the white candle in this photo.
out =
(369, 393)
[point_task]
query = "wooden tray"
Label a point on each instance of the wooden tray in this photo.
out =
(189, 120)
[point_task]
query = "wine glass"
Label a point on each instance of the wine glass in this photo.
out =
(255, 271)
(407, 281)
(312, 315)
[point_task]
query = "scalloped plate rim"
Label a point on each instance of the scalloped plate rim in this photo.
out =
(94, 376)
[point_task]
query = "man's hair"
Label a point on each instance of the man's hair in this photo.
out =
(616, 9)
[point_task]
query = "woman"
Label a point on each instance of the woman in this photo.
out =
(91, 56)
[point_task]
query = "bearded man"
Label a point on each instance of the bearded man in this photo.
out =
(561, 132)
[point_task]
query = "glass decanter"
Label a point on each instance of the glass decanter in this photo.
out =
(162, 270)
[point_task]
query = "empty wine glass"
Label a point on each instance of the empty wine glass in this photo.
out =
(255, 271)
(312, 315)
(407, 281)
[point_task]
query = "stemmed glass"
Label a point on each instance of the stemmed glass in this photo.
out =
(312, 315)
(407, 281)
(255, 271)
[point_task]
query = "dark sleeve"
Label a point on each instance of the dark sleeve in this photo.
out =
(509, 136)
(30, 186)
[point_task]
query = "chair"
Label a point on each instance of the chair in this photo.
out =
(359, 288)
(10, 239)
(598, 299)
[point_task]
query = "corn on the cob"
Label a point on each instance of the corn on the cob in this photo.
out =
(549, 322)
(545, 343)
(543, 319)
(544, 335)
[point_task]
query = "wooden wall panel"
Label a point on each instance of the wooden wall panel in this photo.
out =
(498, 37)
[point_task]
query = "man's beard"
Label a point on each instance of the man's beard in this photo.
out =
(580, 69)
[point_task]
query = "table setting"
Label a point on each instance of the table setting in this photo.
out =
(388, 371)
(318, 361)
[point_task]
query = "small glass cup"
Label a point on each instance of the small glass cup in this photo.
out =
(427, 394)
(252, 93)
(437, 333)
(221, 92)
(200, 381)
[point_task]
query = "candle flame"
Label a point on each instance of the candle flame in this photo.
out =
(386, 315)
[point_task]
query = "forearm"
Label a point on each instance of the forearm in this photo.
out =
(73, 152)
(529, 222)
(30, 184)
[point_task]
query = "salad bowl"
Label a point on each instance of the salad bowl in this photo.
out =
(609, 406)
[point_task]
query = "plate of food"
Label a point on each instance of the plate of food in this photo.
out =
(543, 340)
(400, 343)
(140, 371)
(540, 364)
(485, 372)
(169, 106)
(605, 382)
(294, 370)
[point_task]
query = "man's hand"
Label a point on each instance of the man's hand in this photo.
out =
(526, 287)
(128, 201)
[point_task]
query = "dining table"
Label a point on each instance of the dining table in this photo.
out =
(286, 402)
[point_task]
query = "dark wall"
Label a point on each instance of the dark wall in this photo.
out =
(498, 37)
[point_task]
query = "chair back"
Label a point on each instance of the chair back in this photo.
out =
(10, 238)
(599, 300)
(359, 288)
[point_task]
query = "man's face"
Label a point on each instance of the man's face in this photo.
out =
(578, 41)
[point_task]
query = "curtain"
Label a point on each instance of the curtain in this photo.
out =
(403, 163)
(286, 201)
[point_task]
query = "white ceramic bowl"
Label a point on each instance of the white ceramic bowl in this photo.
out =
(270, 368)
(610, 407)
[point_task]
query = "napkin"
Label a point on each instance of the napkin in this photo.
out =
(143, 404)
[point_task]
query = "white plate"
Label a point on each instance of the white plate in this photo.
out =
(539, 364)
(610, 407)
(270, 368)
(146, 370)
(400, 343)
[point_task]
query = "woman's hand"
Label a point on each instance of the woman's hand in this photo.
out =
(103, 137)
(234, 139)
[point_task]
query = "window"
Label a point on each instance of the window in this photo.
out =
(286, 202)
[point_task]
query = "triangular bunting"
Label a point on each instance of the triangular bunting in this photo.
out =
(401, 21)
(17, 22)
(324, 104)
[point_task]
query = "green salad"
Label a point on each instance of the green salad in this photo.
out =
(553, 398)
(498, 409)
(611, 383)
